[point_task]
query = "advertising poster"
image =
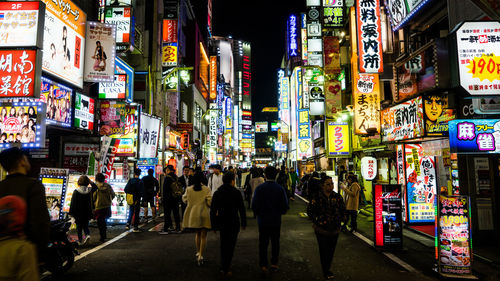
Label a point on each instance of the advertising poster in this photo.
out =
(388, 218)
(64, 41)
(369, 36)
(84, 112)
(58, 100)
(478, 57)
(169, 54)
(403, 121)
(421, 184)
(114, 90)
(54, 180)
(123, 68)
(117, 117)
(331, 48)
(476, 136)
(366, 103)
(122, 18)
(338, 142)
(70, 189)
(454, 240)
(22, 122)
(119, 207)
(20, 23)
(100, 52)
(149, 131)
(333, 98)
(76, 156)
(333, 17)
(437, 115)
(169, 30)
(20, 72)
(261, 127)
(369, 168)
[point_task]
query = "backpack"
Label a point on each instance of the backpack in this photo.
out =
(176, 188)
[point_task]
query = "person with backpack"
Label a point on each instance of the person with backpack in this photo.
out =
(134, 188)
(81, 208)
(327, 212)
(151, 187)
(103, 198)
(171, 196)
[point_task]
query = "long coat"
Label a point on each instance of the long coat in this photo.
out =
(197, 214)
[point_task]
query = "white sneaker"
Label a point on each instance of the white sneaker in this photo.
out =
(86, 239)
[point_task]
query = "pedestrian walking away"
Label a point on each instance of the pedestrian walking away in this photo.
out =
(171, 196)
(327, 212)
(257, 178)
(215, 180)
(17, 255)
(81, 208)
(198, 198)
(269, 204)
(102, 197)
(151, 188)
(32, 191)
(135, 187)
(227, 215)
(352, 200)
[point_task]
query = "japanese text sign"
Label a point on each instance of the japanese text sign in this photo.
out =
(478, 51)
(304, 145)
(474, 135)
(117, 118)
(366, 103)
(169, 31)
(421, 184)
(403, 121)
(369, 36)
(388, 220)
(333, 17)
(84, 112)
(338, 142)
(122, 18)
(100, 52)
(284, 96)
(22, 122)
(293, 43)
(149, 132)
(368, 167)
(19, 73)
(213, 77)
(169, 54)
(20, 23)
(402, 10)
(454, 236)
(64, 41)
(122, 67)
(331, 49)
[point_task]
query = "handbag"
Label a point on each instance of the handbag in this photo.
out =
(130, 199)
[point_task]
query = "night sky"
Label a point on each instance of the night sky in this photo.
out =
(263, 23)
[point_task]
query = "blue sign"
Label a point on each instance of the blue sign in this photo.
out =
(122, 67)
(293, 45)
(474, 135)
(144, 170)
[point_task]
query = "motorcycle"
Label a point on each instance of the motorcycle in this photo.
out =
(60, 254)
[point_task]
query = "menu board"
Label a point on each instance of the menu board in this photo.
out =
(454, 237)
(388, 216)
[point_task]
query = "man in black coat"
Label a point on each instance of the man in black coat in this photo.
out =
(185, 180)
(151, 188)
(170, 201)
(17, 182)
(225, 212)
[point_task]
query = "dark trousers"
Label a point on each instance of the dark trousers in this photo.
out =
(183, 208)
(353, 215)
(267, 234)
(101, 224)
(133, 214)
(227, 243)
(82, 226)
(326, 244)
(169, 207)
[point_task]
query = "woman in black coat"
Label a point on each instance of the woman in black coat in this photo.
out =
(81, 208)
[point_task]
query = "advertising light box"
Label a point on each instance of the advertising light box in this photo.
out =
(402, 10)
(113, 90)
(149, 132)
(403, 121)
(122, 18)
(169, 54)
(118, 2)
(84, 112)
(366, 103)
(388, 220)
(64, 41)
(58, 100)
(117, 117)
(369, 36)
(55, 181)
(22, 122)
(338, 142)
(476, 136)
(20, 23)
(122, 67)
(261, 127)
(100, 52)
(20, 72)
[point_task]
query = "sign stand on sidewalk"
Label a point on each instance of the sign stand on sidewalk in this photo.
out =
(388, 218)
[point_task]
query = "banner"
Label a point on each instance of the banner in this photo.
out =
(117, 117)
(149, 132)
(22, 122)
(20, 23)
(403, 121)
(333, 98)
(366, 103)
(388, 220)
(84, 112)
(477, 136)
(369, 36)
(100, 52)
(169, 54)
(338, 142)
(58, 99)
(20, 72)
(64, 41)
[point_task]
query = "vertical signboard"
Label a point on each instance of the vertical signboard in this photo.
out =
(169, 30)
(400, 163)
(213, 77)
(338, 142)
(123, 68)
(169, 54)
(58, 99)
(55, 181)
(20, 73)
(304, 142)
(369, 36)
(331, 49)
(388, 219)
(333, 98)
(247, 76)
(293, 43)
(149, 132)
(100, 52)
(64, 41)
(366, 103)
(122, 18)
(21, 23)
(284, 92)
(454, 239)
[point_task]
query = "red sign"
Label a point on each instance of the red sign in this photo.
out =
(170, 31)
(213, 77)
(18, 73)
(369, 36)
(379, 221)
(187, 127)
(331, 49)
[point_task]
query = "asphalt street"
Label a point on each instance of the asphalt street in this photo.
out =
(151, 256)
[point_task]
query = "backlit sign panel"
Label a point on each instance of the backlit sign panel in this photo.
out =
(366, 103)
(20, 23)
(22, 122)
(58, 99)
(100, 52)
(84, 112)
(403, 121)
(213, 77)
(293, 43)
(369, 36)
(169, 54)
(113, 90)
(169, 30)
(20, 73)
(477, 136)
(122, 18)
(338, 141)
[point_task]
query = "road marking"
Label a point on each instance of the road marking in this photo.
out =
(391, 256)
(95, 249)
(157, 227)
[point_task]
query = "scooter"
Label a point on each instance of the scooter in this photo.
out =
(61, 252)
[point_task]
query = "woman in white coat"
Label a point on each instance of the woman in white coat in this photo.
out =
(198, 198)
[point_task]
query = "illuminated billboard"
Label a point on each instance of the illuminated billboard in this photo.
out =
(100, 52)
(21, 23)
(58, 99)
(22, 122)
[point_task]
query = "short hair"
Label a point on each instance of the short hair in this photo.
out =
(10, 158)
(165, 169)
(100, 177)
(83, 181)
(137, 172)
(270, 172)
(228, 178)
(186, 167)
(218, 167)
(170, 167)
(324, 179)
(151, 172)
(353, 178)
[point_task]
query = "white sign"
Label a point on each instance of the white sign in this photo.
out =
(148, 136)
(64, 41)
(478, 50)
(113, 90)
(212, 141)
(100, 52)
(368, 168)
(19, 23)
(333, 3)
(313, 3)
(118, 2)
(80, 149)
(122, 18)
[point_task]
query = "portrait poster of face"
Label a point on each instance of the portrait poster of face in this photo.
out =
(437, 114)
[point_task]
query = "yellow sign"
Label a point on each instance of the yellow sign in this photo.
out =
(169, 54)
(338, 142)
(270, 109)
(485, 67)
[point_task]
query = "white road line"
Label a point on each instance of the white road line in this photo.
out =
(156, 227)
(95, 249)
(391, 256)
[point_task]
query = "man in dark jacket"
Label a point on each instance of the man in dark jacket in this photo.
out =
(135, 186)
(151, 188)
(269, 203)
(185, 180)
(17, 182)
(226, 204)
(170, 202)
